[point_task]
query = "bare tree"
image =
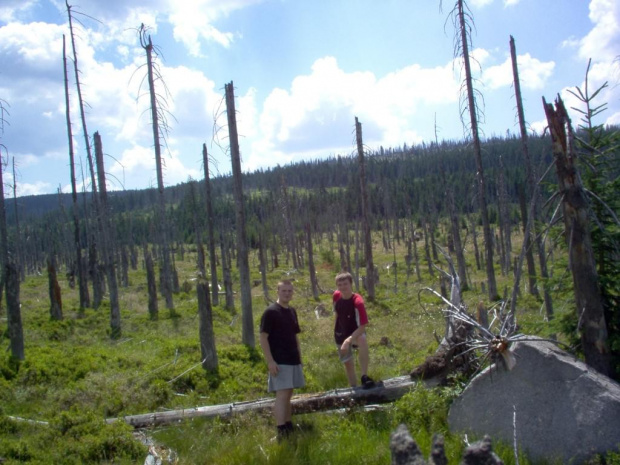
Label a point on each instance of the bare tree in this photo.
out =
(462, 21)
(242, 246)
(215, 299)
(81, 272)
(105, 228)
(94, 266)
(54, 290)
(158, 119)
(10, 275)
(575, 208)
(531, 182)
(207, 337)
(288, 223)
(370, 266)
(311, 268)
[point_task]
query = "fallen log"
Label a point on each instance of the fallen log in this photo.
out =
(385, 391)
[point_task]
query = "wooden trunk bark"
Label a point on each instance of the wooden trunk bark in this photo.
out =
(207, 337)
(151, 284)
(166, 268)
(226, 273)
(105, 228)
(370, 267)
(575, 208)
(247, 333)
(313, 282)
(54, 291)
(482, 196)
(215, 298)
(386, 391)
(531, 181)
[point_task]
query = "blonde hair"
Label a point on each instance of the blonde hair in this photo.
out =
(342, 276)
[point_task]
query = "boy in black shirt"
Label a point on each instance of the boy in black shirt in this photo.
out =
(279, 328)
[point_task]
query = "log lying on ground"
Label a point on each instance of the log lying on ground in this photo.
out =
(386, 391)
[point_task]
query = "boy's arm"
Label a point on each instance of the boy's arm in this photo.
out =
(271, 363)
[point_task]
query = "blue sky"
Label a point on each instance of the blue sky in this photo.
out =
(302, 70)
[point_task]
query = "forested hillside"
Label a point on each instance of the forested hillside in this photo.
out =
(405, 183)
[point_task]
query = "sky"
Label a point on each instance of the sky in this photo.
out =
(302, 71)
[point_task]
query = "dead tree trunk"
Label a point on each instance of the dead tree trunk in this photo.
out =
(464, 26)
(247, 333)
(427, 248)
(575, 208)
(10, 274)
(54, 290)
(96, 277)
(262, 265)
(107, 244)
(388, 390)
(19, 252)
(311, 269)
(166, 268)
(81, 272)
(503, 215)
(215, 298)
(288, 224)
(370, 266)
(151, 284)
(531, 181)
(207, 338)
(226, 273)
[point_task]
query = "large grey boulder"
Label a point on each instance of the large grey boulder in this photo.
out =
(561, 408)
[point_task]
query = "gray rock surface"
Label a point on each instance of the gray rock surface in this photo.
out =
(562, 409)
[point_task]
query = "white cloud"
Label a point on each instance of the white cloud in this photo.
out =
(193, 21)
(533, 73)
(316, 117)
(603, 41)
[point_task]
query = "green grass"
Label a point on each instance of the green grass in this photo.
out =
(74, 375)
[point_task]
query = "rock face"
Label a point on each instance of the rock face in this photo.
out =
(561, 408)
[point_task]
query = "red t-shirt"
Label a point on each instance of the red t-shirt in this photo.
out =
(350, 315)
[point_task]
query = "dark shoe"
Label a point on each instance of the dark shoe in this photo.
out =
(367, 382)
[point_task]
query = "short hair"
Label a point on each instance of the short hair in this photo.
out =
(342, 276)
(284, 282)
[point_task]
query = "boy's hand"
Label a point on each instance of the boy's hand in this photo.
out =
(273, 368)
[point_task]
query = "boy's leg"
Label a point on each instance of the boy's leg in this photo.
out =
(362, 348)
(282, 406)
(349, 367)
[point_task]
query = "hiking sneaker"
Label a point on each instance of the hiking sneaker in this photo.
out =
(367, 382)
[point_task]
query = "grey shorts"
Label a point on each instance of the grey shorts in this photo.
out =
(288, 377)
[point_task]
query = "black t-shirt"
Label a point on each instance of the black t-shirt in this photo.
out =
(281, 325)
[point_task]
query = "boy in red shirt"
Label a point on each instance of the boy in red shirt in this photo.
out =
(350, 329)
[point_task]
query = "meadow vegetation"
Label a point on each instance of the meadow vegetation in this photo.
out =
(54, 403)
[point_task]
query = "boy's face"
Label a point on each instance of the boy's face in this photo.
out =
(345, 288)
(285, 294)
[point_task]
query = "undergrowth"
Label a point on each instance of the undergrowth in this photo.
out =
(53, 404)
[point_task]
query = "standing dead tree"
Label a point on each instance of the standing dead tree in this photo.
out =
(94, 265)
(9, 272)
(462, 21)
(158, 122)
(531, 182)
(215, 299)
(242, 246)
(105, 226)
(77, 237)
(370, 267)
(575, 209)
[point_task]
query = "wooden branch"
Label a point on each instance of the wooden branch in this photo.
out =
(385, 391)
